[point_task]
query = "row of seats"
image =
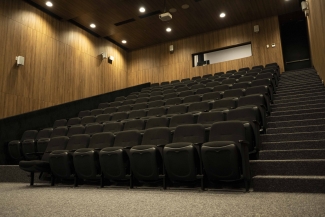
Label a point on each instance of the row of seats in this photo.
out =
(187, 155)
(33, 141)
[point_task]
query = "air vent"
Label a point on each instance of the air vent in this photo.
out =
(124, 22)
(150, 14)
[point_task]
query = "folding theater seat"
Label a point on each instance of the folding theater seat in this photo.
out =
(176, 110)
(223, 104)
(222, 78)
(119, 116)
(226, 75)
(155, 112)
(86, 160)
(134, 97)
(170, 95)
(112, 127)
(245, 79)
(269, 76)
(185, 79)
(233, 93)
(191, 99)
(197, 86)
(36, 166)
(274, 72)
(29, 145)
(235, 76)
(181, 119)
(140, 106)
(134, 125)
(225, 157)
(231, 71)
(137, 114)
(124, 108)
(206, 81)
(167, 87)
(141, 100)
(74, 121)
(115, 104)
(96, 112)
(134, 93)
(91, 129)
(218, 73)
(258, 67)
(156, 93)
(175, 82)
(206, 119)
(181, 89)
(222, 87)
(242, 85)
(229, 81)
(157, 103)
(245, 69)
(198, 107)
(84, 113)
(157, 122)
(60, 123)
(173, 101)
(181, 157)
(59, 131)
(128, 102)
(155, 98)
(207, 76)
(213, 84)
(114, 161)
(143, 95)
(74, 130)
(154, 85)
(87, 120)
(241, 73)
(61, 161)
(211, 96)
(120, 98)
(164, 83)
(204, 90)
(265, 82)
(103, 105)
(186, 93)
(251, 74)
(146, 159)
(251, 115)
(271, 65)
(14, 147)
(109, 110)
(261, 90)
(165, 92)
(103, 118)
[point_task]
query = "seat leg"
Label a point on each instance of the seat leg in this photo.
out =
(52, 180)
(75, 184)
(247, 185)
(102, 180)
(202, 183)
(131, 181)
(31, 179)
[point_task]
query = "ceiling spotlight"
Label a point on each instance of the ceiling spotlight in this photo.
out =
(124, 41)
(168, 29)
(92, 25)
(222, 15)
(49, 4)
(142, 9)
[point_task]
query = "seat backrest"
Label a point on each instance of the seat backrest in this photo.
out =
(103, 105)
(197, 86)
(207, 76)
(73, 121)
(185, 79)
(88, 119)
(191, 99)
(206, 81)
(159, 111)
(229, 103)
(258, 67)
(77, 129)
(60, 123)
(141, 100)
(194, 133)
(103, 117)
(203, 90)
(131, 97)
(229, 81)
(140, 106)
(157, 122)
(137, 114)
(134, 125)
(243, 69)
(93, 128)
(156, 136)
(143, 95)
(127, 138)
(210, 117)
(165, 92)
(174, 81)
(246, 78)
(128, 102)
(234, 93)
(222, 87)
(164, 83)
(181, 120)
(229, 131)
(120, 98)
(231, 71)
(196, 77)
(112, 127)
(78, 141)
(254, 99)
(45, 133)
(155, 93)
(110, 110)
(101, 140)
(96, 112)
(181, 89)
(84, 113)
(154, 85)
(257, 90)
(211, 96)
(236, 76)
(259, 82)
(124, 108)
(173, 101)
(118, 116)
(226, 75)
(218, 73)
(170, 95)
(199, 107)
(177, 109)
(155, 98)
(242, 85)
(157, 103)
(59, 131)
(29, 134)
(56, 143)
(185, 93)
(251, 113)
(213, 84)
(115, 104)
(265, 75)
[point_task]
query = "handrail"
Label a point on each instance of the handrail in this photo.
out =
(295, 61)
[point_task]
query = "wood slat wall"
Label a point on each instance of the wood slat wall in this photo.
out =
(156, 64)
(62, 61)
(316, 29)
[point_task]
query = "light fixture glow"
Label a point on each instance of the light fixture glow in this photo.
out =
(168, 29)
(124, 41)
(92, 25)
(142, 9)
(49, 4)
(222, 15)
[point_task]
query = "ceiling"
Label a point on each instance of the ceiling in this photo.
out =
(201, 16)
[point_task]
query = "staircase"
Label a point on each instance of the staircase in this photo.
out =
(292, 156)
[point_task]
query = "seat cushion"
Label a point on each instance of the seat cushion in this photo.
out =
(35, 166)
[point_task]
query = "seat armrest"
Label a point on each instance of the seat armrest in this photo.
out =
(161, 145)
(35, 153)
(127, 147)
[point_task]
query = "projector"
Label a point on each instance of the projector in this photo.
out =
(165, 16)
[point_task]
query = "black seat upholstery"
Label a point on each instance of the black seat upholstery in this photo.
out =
(181, 119)
(91, 129)
(191, 99)
(241, 85)
(222, 87)
(84, 113)
(157, 122)
(59, 131)
(234, 93)
(60, 123)
(209, 118)
(103, 105)
(120, 98)
(134, 125)
(136, 114)
(157, 103)
(88, 119)
(96, 112)
(110, 110)
(211, 96)
(76, 129)
(140, 106)
(124, 108)
(112, 127)
(14, 147)
(119, 116)
(223, 104)
(73, 121)
(103, 118)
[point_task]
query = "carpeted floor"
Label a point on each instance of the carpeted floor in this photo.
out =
(18, 199)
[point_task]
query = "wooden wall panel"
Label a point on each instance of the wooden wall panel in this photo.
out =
(316, 29)
(62, 61)
(156, 64)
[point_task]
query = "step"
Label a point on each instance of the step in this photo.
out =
(293, 145)
(299, 99)
(314, 115)
(321, 100)
(292, 154)
(300, 95)
(293, 93)
(295, 107)
(299, 111)
(304, 79)
(300, 79)
(301, 184)
(296, 129)
(291, 85)
(305, 122)
(299, 88)
(280, 137)
(309, 167)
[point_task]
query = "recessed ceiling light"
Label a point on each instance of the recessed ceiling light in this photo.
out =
(92, 25)
(172, 10)
(124, 41)
(168, 29)
(185, 6)
(222, 15)
(142, 9)
(49, 4)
